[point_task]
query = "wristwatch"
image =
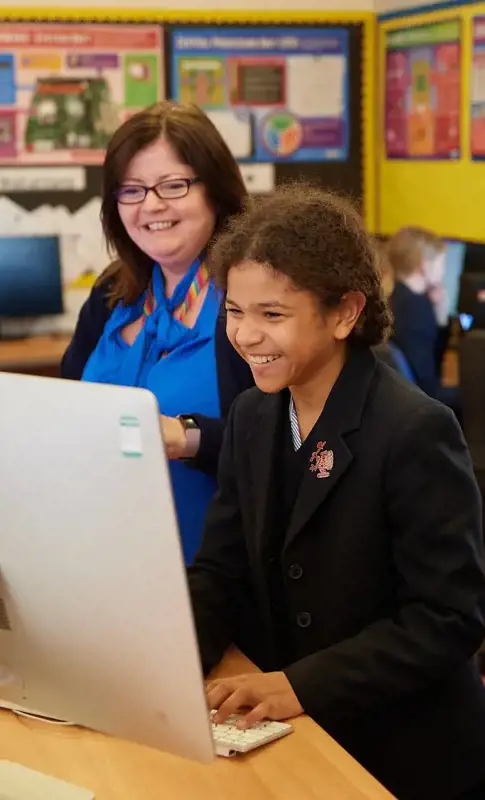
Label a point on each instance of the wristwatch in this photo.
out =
(192, 435)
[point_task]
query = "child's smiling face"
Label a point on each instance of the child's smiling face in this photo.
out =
(281, 330)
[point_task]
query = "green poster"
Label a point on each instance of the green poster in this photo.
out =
(142, 79)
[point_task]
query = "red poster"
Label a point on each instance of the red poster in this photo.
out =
(423, 91)
(478, 90)
(397, 84)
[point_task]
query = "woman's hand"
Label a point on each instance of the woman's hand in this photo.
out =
(174, 436)
(268, 695)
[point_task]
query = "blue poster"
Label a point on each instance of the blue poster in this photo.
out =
(275, 94)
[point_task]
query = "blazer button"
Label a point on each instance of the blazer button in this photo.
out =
(295, 571)
(303, 619)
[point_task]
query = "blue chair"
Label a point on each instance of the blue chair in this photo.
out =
(402, 364)
(394, 357)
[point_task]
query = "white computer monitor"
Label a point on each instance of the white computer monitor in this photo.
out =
(96, 624)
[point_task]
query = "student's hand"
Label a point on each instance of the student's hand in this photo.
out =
(437, 294)
(267, 695)
(174, 436)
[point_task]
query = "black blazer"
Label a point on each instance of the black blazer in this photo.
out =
(233, 374)
(383, 572)
(416, 334)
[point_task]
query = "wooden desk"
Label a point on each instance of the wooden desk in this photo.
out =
(39, 355)
(306, 765)
(451, 369)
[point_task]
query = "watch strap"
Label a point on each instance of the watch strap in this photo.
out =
(192, 435)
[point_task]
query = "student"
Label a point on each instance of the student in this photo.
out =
(169, 185)
(419, 308)
(387, 351)
(343, 550)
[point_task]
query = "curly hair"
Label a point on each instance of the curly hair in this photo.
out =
(318, 240)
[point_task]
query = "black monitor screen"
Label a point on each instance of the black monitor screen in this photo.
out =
(474, 257)
(471, 301)
(30, 276)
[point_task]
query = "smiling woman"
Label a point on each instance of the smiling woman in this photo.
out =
(153, 320)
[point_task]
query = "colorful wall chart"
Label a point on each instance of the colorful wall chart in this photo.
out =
(64, 89)
(478, 90)
(275, 94)
(422, 91)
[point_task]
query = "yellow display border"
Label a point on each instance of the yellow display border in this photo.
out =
(171, 15)
(465, 14)
(240, 17)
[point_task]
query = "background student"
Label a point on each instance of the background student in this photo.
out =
(419, 308)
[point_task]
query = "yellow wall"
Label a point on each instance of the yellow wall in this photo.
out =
(446, 196)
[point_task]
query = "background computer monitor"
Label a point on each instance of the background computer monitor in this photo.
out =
(474, 257)
(30, 276)
(471, 303)
(471, 296)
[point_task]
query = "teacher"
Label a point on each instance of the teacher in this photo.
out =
(153, 319)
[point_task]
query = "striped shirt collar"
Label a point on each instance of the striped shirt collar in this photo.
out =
(295, 426)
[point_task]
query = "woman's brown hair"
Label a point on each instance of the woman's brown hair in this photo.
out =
(317, 239)
(197, 143)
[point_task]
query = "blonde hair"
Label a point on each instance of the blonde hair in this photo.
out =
(408, 248)
(385, 269)
(430, 240)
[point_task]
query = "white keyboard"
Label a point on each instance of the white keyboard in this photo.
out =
(230, 740)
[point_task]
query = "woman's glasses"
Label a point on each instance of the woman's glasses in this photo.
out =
(130, 194)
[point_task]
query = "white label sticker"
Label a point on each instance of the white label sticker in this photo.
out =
(42, 179)
(130, 436)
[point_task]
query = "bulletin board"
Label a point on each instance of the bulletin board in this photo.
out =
(335, 142)
(423, 91)
(54, 187)
(430, 131)
(332, 147)
(64, 89)
(276, 94)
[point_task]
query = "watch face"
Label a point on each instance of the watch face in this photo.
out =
(189, 423)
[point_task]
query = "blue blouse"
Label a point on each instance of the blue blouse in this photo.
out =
(177, 364)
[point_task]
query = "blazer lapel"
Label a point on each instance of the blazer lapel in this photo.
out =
(330, 454)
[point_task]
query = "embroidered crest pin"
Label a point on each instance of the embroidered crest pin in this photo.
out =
(321, 461)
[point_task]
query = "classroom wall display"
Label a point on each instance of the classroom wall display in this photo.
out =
(423, 91)
(64, 89)
(53, 189)
(275, 94)
(477, 125)
(58, 195)
(443, 194)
